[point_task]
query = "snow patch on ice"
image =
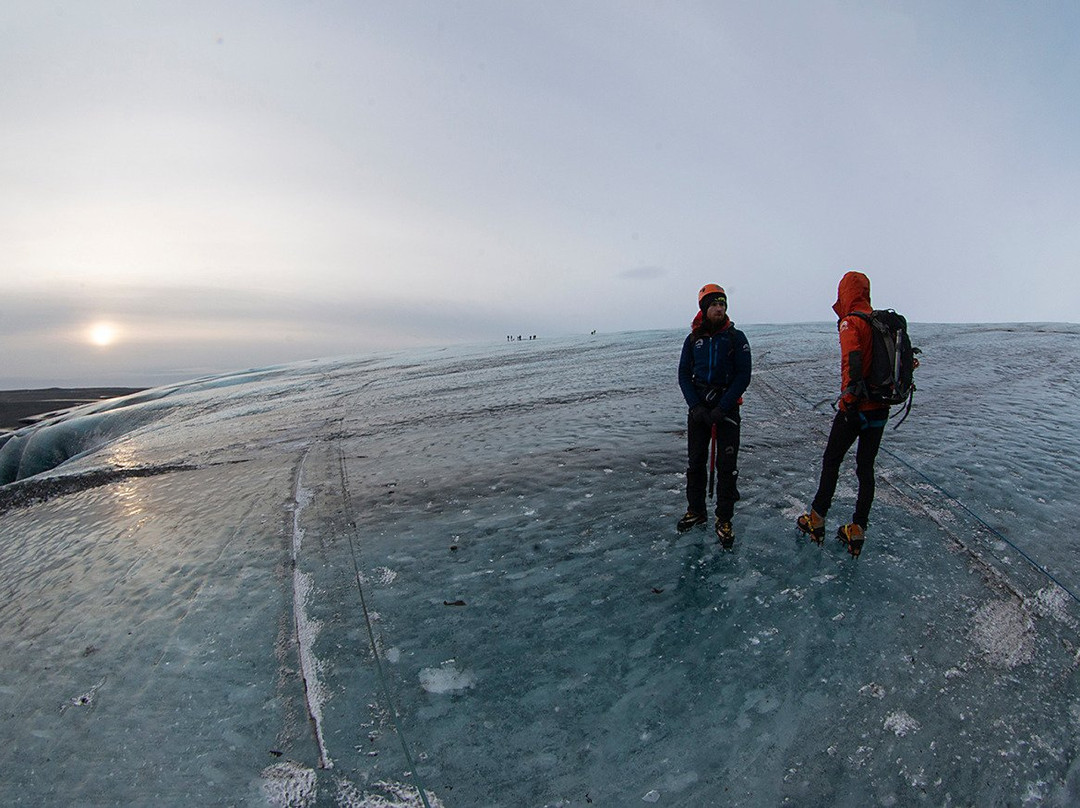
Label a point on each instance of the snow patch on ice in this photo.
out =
(873, 690)
(310, 665)
(384, 575)
(1053, 602)
(795, 508)
(1004, 632)
(289, 785)
(901, 723)
(391, 795)
(447, 678)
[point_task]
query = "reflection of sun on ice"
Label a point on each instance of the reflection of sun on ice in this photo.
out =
(102, 334)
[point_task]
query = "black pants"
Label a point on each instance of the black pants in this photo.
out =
(843, 434)
(698, 437)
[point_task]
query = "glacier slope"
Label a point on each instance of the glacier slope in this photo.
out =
(341, 581)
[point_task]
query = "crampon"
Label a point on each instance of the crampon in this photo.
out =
(813, 526)
(725, 534)
(852, 537)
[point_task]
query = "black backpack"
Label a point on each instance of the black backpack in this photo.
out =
(889, 378)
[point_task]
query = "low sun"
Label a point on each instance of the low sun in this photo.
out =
(102, 334)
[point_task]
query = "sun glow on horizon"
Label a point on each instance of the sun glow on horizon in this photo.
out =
(102, 334)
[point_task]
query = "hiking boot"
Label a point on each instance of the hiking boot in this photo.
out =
(725, 534)
(689, 520)
(852, 537)
(812, 525)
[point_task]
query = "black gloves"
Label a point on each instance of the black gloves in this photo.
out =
(719, 416)
(701, 414)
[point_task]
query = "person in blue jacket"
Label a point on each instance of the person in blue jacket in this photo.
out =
(714, 371)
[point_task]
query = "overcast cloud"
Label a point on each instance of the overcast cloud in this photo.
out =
(246, 183)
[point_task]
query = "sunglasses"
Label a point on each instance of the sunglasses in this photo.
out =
(718, 302)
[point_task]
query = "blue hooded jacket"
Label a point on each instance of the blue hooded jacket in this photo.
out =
(714, 363)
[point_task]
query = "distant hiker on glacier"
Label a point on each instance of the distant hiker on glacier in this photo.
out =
(714, 371)
(860, 416)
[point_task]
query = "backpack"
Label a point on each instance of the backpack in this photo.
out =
(890, 375)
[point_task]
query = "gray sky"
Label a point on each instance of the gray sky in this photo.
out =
(231, 184)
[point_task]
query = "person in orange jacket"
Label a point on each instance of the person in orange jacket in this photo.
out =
(856, 420)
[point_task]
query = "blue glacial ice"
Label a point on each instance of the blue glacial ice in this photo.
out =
(451, 578)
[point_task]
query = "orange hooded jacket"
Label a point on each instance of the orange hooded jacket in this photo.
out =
(856, 340)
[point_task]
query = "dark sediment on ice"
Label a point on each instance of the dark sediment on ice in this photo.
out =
(21, 407)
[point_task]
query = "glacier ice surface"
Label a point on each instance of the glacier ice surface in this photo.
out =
(340, 582)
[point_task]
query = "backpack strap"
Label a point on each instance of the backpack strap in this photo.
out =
(906, 410)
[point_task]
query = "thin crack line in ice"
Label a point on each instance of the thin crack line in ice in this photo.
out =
(306, 629)
(925, 506)
(351, 535)
(1035, 565)
(947, 495)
